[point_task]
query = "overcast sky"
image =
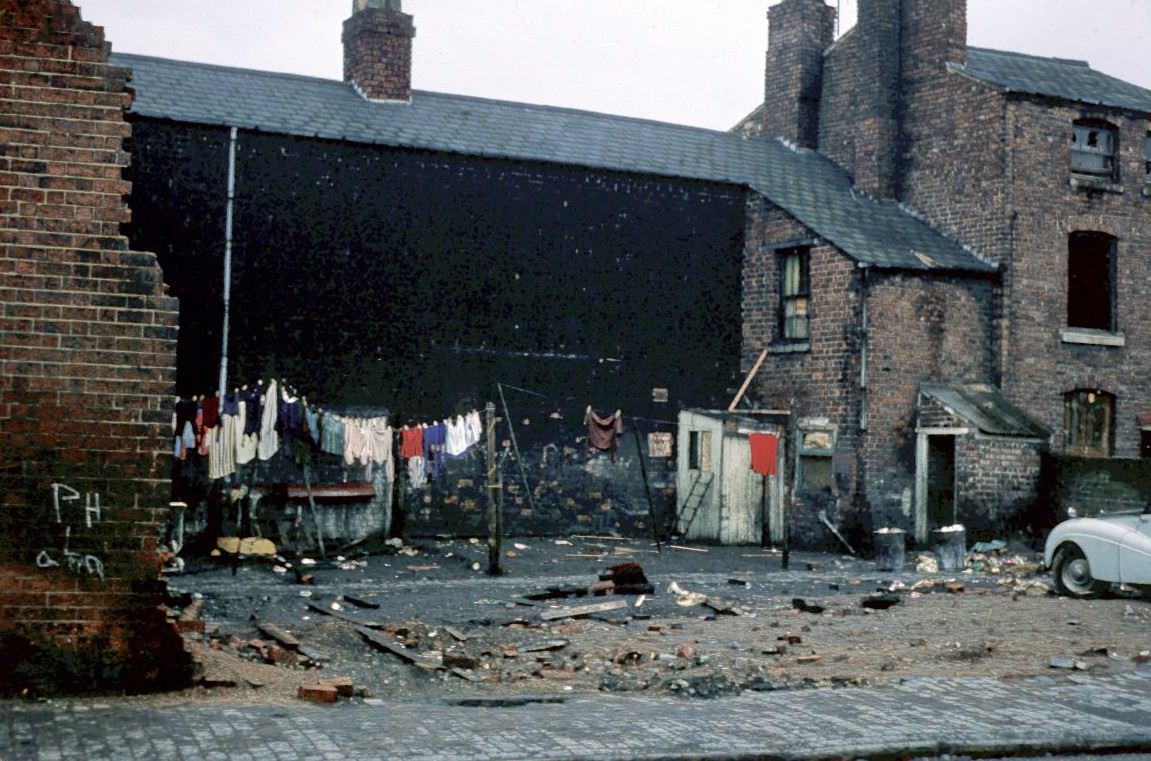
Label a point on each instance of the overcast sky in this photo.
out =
(696, 62)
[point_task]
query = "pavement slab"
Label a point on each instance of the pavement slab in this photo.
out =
(923, 716)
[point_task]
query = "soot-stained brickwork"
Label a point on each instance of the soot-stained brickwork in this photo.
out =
(87, 360)
(918, 117)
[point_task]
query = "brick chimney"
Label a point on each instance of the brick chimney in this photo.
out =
(378, 50)
(799, 31)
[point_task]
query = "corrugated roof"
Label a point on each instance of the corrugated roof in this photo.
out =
(806, 185)
(1054, 77)
(987, 409)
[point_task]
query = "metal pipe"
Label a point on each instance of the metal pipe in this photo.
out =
(826, 522)
(516, 447)
(223, 386)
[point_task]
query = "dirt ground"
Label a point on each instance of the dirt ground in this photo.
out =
(718, 621)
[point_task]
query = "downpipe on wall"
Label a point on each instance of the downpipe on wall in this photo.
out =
(223, 386)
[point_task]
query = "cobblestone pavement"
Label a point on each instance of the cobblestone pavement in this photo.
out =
(916, 717)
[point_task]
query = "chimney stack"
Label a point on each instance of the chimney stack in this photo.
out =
(799, 31)
(378, 50)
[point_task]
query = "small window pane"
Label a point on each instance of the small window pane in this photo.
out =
(1093, 149)
(1087, 421)
(815, 474)
(817, 440)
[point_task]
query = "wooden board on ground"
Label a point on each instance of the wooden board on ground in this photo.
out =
(342, 616)
(583, 610)
(381, 642)
(286, 640)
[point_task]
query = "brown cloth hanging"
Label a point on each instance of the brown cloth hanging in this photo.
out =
(603, 432)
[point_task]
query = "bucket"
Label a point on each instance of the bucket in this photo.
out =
(889, 549)
(950, 544)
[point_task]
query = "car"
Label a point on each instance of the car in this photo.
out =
(1087, 555)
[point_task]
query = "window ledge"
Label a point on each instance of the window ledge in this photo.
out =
(1092, 337)
(1087, 182)
(789, 347)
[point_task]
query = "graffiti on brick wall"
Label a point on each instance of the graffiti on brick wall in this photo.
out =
(66, 504)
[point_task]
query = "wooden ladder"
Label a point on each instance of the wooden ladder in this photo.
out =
(694, 499)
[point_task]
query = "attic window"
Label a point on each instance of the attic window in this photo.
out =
(1093, 149)
(1091, 281)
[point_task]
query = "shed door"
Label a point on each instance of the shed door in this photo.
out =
(741, 507)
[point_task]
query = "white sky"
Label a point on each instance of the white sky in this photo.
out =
(696, 62)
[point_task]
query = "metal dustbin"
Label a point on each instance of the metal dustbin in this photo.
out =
(890, 546)
(950, 545)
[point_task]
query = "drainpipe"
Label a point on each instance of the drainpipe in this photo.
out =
(223, 386)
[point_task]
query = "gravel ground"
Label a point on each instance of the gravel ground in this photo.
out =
(761, 627)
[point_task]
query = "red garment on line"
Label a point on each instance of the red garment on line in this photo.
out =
(764, 447)
(412, 442)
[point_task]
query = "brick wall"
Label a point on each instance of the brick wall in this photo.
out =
(820, 382)
(1040, 367)
(997, 487)
(87, 347)
(942, 337)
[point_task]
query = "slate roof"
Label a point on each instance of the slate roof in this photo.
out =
(987, 409)
(806, 185)
(1053, 77)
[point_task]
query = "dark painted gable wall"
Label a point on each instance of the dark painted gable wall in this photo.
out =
(368, 275)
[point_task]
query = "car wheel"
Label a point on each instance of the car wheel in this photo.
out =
(1072, 574)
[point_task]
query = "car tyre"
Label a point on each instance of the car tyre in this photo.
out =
(1072, 574)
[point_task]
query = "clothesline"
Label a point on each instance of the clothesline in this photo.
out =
(257, 422)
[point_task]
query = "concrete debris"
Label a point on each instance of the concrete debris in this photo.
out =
(1068, 664)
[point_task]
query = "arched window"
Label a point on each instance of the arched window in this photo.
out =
(1087, 423)
(1094, 146)
(1091, 281)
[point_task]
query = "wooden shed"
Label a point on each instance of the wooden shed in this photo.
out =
(719, 498)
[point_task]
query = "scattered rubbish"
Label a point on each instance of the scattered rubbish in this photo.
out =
(724, 607)
(881, 602)
(519, 546)
(798, 603)
(305, 593)
(421, 568)
(926, 564)
(313, 655)
(563, 542)
(1068, 664)
(627, 579)
(954, 587)
(456, 634)
(640, 600)
(249, 545)
(739, 582)
(539, 647)
(307, 561)
(989, 547)
(360, 602)
(685, 598)
(689, 549)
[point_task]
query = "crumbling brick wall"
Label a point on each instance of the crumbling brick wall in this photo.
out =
(87, 349)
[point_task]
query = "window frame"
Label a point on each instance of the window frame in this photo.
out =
(1079, 436)
(794, 299)
(1084, 299)
(807, 452)
(1084, 154)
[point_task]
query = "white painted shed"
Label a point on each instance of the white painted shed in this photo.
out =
(718, 496)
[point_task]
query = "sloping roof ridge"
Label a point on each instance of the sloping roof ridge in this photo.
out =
(222, 67)
(1030, 56)
(433, 94)
(919, 215)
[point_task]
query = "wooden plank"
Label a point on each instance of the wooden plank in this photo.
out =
(342, 616)
(456, 633)
(360, 602)
(583, 610)
(747, 381)
(689, 549)
(286, 640)
(380, 642)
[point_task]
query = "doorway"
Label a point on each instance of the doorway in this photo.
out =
(940, 481)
